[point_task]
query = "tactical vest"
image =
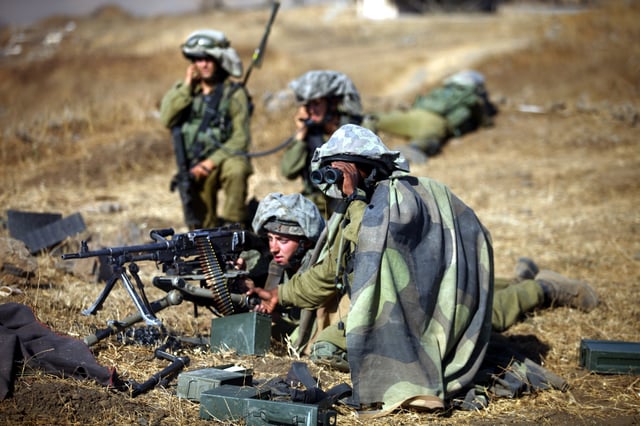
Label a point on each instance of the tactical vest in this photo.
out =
(209, 123)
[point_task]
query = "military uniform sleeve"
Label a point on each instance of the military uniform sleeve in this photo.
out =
(240, 138)
(312, 288)
(294, 159)
(174, 102)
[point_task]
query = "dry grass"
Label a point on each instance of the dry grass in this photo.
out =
(80, 134)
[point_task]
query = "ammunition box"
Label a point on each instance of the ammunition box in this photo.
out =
(247, 333)
(265, 413)
(228, 402)
(191, 384)
(608, 356)
(233, 403)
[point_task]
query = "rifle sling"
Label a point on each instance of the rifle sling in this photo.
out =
(210, 112)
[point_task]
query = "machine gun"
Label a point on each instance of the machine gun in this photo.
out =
(197, 266)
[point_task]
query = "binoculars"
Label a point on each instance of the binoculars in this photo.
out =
(326, 174)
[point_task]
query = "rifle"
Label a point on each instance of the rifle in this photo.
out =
(183, 179)
(198, 266)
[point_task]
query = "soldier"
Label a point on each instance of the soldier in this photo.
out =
(326, 100)
(459, 106)
(417, 266)
(370, 256)
(292, 225)
(213, 116)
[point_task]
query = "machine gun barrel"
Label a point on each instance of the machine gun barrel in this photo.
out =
(128, 253)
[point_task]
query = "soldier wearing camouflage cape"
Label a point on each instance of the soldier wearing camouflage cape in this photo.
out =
(418, 267)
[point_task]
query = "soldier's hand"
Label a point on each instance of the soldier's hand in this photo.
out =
(300, 119)
(350, 176)
(202, 169)
(192, 75)
(269, 299)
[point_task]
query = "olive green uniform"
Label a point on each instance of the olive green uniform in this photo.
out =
(424, 129)
(317, 286)
(512, 299)
(224, 145)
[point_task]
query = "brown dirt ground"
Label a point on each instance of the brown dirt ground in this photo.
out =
(80, 134)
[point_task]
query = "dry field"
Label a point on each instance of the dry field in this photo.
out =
(80, 134)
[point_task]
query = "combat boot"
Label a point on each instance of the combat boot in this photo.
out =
(562, 291)
(526, 269)
(326, 353)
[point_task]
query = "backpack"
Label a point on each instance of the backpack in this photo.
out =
(457, 104)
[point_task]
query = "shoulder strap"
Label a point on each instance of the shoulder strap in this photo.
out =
(211, 109)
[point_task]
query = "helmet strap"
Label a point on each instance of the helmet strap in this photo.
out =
(298, 255)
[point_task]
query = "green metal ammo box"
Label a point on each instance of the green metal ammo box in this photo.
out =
(228, 402)
(247, 404)
(265, 413)
(191, 384)
(608, 356)
(247, 333)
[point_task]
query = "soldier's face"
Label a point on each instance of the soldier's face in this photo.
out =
(282, 247)
(206, 67)
(317, 109)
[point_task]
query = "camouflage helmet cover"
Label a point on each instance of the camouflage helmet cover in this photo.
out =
(288, 214)
(357, 144)
(324, 84)
(466, 78)
(202, 43)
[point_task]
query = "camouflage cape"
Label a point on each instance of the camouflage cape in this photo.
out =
(420, 317)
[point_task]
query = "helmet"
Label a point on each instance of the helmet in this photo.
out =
(357, 144)
(466, 78)
(328, 84)
(288, 214)
(203, 43)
